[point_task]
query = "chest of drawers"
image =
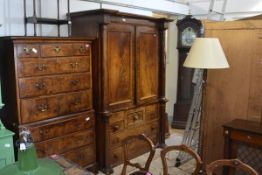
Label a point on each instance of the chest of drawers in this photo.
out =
(47, 87)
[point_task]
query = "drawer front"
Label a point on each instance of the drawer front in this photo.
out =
(152, 128)
(135, 117)
(82, 156)
(135, 148)
(35, 67)
(152, 112)
(116, 117)
(116, 156)
(117, 126)
(48, 107)
(27, 50)
(64, 143)
(56, 50)
(76, 64)
(247, 137)
(30, 87)
(81, 49)
(62, 127)
(116, 139)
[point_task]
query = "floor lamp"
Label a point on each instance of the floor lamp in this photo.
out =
(205, 53)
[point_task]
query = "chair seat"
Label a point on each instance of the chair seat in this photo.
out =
(141, 173)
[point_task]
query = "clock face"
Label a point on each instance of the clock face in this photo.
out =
(188, 36)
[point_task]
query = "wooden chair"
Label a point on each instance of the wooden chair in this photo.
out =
(234, 163)
(142, 170)
(182, 148)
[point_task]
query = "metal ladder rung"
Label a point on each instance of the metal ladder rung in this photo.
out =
(211, 7)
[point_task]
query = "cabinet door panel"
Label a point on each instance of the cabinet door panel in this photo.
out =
(147, 55)
(120, 63)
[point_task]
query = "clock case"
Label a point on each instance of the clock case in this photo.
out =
(185, 87)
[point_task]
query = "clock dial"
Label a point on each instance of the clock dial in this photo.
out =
(188, 36)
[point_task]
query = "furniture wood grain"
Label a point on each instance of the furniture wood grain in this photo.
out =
(48, 89)
(129, 79)
(230, 93)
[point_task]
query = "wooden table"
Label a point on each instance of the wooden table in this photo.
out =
(243, 140)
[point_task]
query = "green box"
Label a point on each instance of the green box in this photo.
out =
(6, 148)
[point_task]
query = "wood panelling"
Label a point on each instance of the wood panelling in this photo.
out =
(148, 63)
(48, 89)
(120, 65)
(229, 93)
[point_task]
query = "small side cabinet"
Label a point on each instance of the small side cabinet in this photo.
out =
(6, 147)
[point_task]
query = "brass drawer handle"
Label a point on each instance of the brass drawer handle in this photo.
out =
(74, 82)
(40, 85)
(115, 128)
(42, 67)
(43, 107)
(74, 65)
(82, 49)
(136, 117)
(27, 50)
(57, 49)
(44, 132)
(87, 119)
(115, 156)
(153, 128)
(82, 156)
(77, 101)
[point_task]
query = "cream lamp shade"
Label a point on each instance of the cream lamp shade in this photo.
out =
(206, 53)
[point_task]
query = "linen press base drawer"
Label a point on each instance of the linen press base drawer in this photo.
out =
(48, 85)
(65, 143)
(135, 117)
(53, 106)
(47, 66)
(73, 123)
(150, 130)
(135, 149)
(152, 112)
(82, 156)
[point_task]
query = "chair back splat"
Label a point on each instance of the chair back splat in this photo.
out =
(142, 170)
(181, 148)
(233, 163)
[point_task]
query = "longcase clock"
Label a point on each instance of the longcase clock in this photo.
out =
(188, 29)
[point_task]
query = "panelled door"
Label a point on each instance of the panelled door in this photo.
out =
(147, 61)
(120, 65)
